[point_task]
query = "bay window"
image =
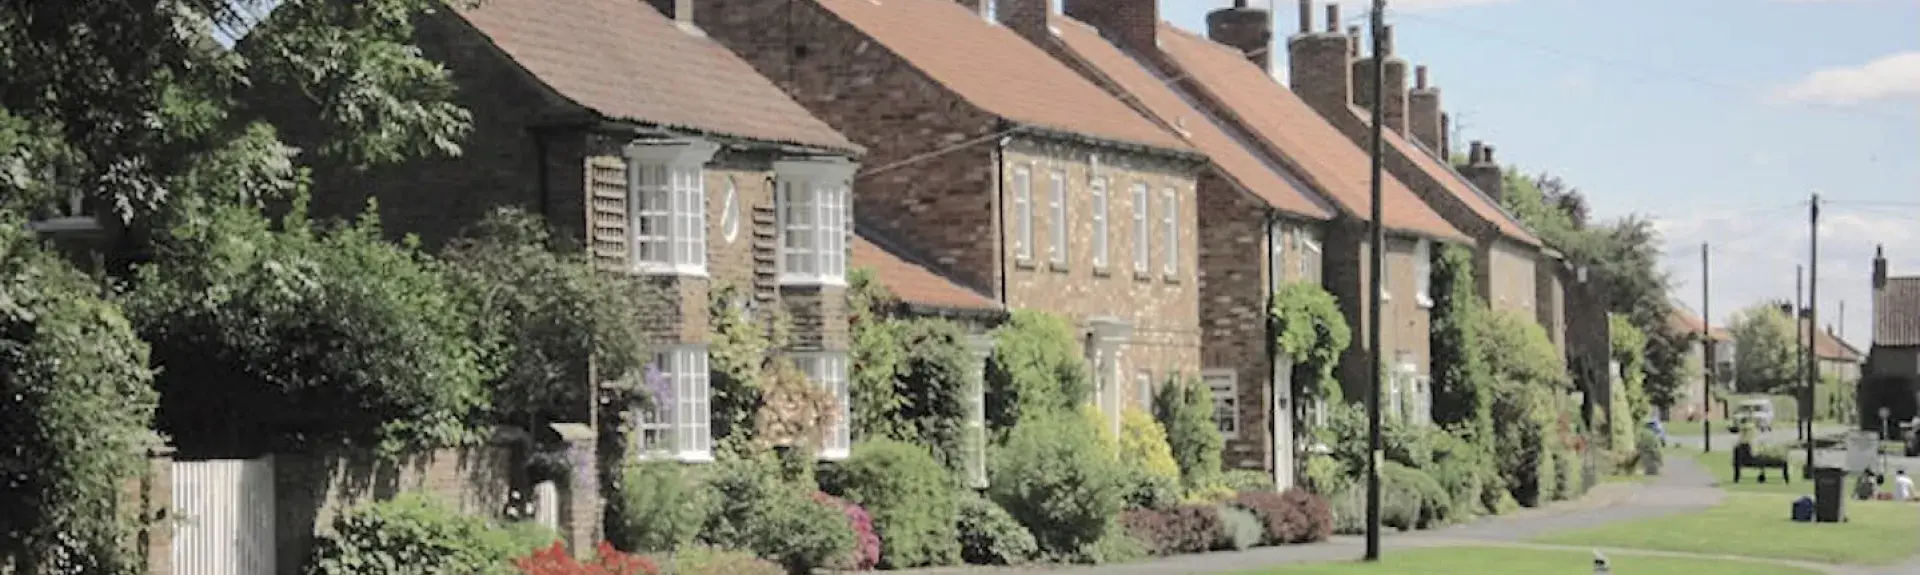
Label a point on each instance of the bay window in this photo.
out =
(829, 371)
(667, 200)
(679, 422)
(812, 202)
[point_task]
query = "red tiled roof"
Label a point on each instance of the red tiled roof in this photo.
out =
(994, 68)
(1685, 322)
(1896, 313)
(1481, 205)
(1273, 113)
(1231, 155)
(915, 284)
(1826, 346)
(625, 60)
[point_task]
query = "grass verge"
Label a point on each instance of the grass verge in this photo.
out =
(1758, 525)
(1507, 561)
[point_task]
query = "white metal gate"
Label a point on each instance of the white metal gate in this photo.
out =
(223, 517)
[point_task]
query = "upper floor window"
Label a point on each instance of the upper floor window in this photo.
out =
(1100, 223)
(1423, 273)
(666, 192)
(1142, 233)
(1170, 223)
(1023, 213)
(812, 202)
(679, 422)
(1057, 217)
(829, 371)
(1309, 251)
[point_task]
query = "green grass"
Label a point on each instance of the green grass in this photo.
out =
(1720, 463)
(1505, 561)
(1757, 525)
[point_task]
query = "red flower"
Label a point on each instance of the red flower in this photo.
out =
(607, 561)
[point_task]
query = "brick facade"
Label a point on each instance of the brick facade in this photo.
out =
(940, 182)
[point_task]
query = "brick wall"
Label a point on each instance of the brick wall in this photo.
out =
(149, 496)
(1233, 306)
(1405, 323)
(940, 204)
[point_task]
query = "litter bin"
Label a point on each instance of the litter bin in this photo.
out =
(1829, 494)
(1803, 509)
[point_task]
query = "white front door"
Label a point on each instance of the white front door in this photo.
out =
(1282, 421)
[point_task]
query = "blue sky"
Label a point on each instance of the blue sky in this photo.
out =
(1715, 118)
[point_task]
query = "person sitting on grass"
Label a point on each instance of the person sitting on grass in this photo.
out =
(1902, 485)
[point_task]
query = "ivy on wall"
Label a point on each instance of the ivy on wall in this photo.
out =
(1462, 380)
(1308, 327)
(739, 356)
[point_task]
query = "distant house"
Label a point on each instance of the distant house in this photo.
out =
(1692, 400)
(1002, 167)
(1892, 374)
(665, 155)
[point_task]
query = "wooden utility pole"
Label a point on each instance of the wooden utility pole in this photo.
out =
(1813, 319)
(1706, 351)
(1378, 264)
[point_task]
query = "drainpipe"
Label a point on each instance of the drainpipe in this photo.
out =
(1000, 208)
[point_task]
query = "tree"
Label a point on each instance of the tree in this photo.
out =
(1766, 352)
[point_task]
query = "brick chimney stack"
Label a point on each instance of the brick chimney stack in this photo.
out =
(681, 11)
(1028, 18)
(1879, 267)
(1483, 171)
(1246, 28)
(1318, 63)
(1395, 87)
(1424, 115)
(1133, 24)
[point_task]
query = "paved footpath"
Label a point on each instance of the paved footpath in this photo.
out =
(1684, 486)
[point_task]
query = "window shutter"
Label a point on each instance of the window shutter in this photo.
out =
(608, 211)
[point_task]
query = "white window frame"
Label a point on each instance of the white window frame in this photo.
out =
(1057, 217)
(1142, 229)
(678, 426)
(667, 200)
(1225, 387)
(828, 369)
(1170, 219)
(1309, 243)
(1394, 410)
(1100, 231)
(730, 212)
(813, 200)
(1143, 383)
(1423, 272)
(974, 444)
(1023, 213)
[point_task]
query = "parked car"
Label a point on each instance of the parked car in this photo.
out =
(1758, 412)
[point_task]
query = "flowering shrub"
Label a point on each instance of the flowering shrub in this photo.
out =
(607, 561)
(866, 544)
(1183, 529)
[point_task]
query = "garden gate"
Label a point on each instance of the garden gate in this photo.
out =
(222, 512)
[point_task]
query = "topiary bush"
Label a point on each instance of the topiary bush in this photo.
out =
(990, 536)
(1183, 529)
(1185, 409)
(1053, 475)
(1146, 490)
(910, 496)
(412, 534)
(756, 511)
(1427, 503)
(659, 508)
(1240, 530)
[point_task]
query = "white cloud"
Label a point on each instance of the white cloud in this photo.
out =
(1753, 257)
(1889, 77)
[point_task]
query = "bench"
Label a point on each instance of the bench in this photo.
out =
(1745, 458)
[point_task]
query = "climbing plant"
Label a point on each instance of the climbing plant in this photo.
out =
(1630, 405)
(1036, 368)
(1309, 328)
(876, 356)
(738, 357)
(1462, 382)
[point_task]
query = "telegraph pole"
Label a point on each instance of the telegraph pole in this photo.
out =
(1799, 354)
(1813, 318)
(1706, 351)
(1378, 21)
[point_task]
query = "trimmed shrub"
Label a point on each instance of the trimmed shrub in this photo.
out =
(1309, 519)
(1114, 547)
(1054, 477)
(1212, 491)
(1418, 501)
(1240, 480)
(660, 508)
(1239, 529)
(1036, 367)
(910, 496)
(412, 534)
(554, 560)
(989, 536)
(1183, 529)
(1185, 409)
(700, 560)
(866, 544)
(1465, 472)
(757, 512)
(1147, 490)
(1143, 445)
